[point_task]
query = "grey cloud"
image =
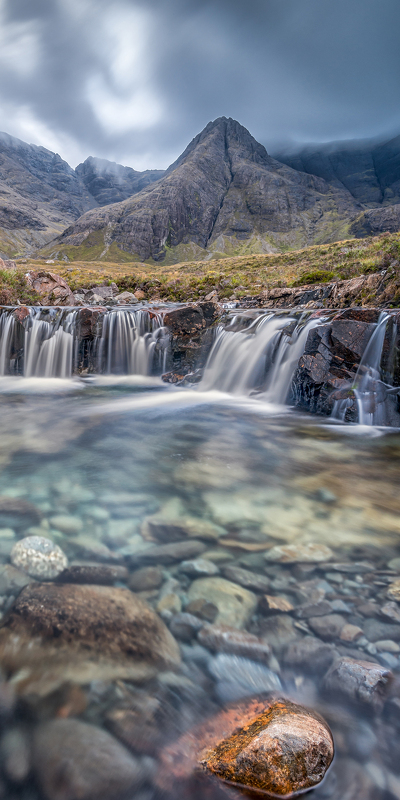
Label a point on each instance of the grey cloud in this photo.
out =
(304, 70)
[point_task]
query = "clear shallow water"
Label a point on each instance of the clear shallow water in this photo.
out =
(264, 477)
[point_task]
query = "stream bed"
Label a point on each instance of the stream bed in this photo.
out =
(214, 509)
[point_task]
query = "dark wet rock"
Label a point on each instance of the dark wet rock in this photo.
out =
(39, 557)
(12, 580)
(360, 680)
(145, 579)
(184, 626)
(165, 529)
(75, 760)
(310, 654)
(100, 574)
(278, 630)
(198, 568)
(238, 677)
(246, 578)
(277, 747)
(327, 627)
(222, 639)
(82, 633)
(375, 630)
(170, 553)
(314, 610)
(185, 321)
(235, 604)
(293, 553)
(138, 724)
(203, 608)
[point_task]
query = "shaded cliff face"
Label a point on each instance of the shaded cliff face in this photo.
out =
(224, 194)
(109, 182)
(40, 195)
(369, 171)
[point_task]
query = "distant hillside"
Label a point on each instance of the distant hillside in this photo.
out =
(109, 182)
(369, 171)
(40, 195)
(224, 196)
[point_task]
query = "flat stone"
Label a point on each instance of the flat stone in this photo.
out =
(278, 630)
(246, 578)
(327, 627)
(39, 557)
(202, 608)
(184, 626)
(223, 639)
(75, 760)
(67, 524)
(271, 604)
(100, 574)
(145, 579)
(170, 553)
(138, 726)
(388, 646)
(360, 680)
(355, 567)
(90, 547)
(198, 567)
(239, 677)
(310, 654)
(376, 630)
(293, 553)
(82, 633)
(314, 610)
(170, 602)
(277, 748)
(235, 604)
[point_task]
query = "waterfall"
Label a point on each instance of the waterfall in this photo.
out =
(262, 357)
(7, 330)
(128, 342)
(48, 351)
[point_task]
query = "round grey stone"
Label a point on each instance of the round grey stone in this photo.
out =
(39, 557)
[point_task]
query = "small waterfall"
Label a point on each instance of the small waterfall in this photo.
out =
(49, 346)
(128, 342)
(7, 331)
(262, 358)
(370, 392)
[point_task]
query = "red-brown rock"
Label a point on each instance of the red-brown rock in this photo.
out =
(278, 748)
(52, 289)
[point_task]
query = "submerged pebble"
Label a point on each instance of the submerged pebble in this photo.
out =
(39, 557)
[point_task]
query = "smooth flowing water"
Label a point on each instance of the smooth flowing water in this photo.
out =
(114, 467)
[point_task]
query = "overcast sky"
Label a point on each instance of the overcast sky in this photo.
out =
(135, 81)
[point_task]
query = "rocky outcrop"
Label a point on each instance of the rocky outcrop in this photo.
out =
(377, 220)
(224, 192)
(333, 294)
(190, 339)
(277, 748)
(80, 632)
(109, 182)
(51, 288)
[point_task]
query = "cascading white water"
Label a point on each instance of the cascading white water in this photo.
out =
(49, 347)
(7, 328)
(128, 342)
(263, 357)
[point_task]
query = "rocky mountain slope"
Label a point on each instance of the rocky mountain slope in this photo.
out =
(224, 195)
(109, 182)
(40, 195)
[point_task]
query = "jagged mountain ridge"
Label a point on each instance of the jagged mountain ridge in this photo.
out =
(41, 195)
(109, 182)
(223, 195)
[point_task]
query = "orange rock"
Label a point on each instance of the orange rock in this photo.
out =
(274, 747)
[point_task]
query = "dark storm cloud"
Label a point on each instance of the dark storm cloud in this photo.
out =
(136, 81)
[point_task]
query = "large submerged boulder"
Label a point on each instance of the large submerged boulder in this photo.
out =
(55, 633)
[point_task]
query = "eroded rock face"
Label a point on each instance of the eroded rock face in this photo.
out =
(82, 633)
(276, 747)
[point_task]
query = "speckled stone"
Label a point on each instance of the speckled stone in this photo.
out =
(39, 557)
